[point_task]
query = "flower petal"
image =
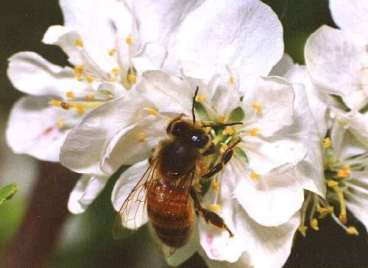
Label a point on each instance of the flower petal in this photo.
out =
(33, 128)
(351, 16)
(335, 64)
(269, 105)
(32, 74)
(84, 147)
(98, 22)
(273, 198)
(248, 39)
(134, 143)
(135, 215)
(85, 192)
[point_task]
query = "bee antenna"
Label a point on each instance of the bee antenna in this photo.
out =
(193, 103)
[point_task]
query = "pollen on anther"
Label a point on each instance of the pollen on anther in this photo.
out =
(254, 175)
(78, 72)
(78, 43)
(111, 52)
(60, 123)
(228, 131)
(70, 94)
(327, 143)
(129, 40)
(151, 111)
(351, 230)
(257, 107)
(79, 108)
(214, 208)
(89, 79)
(344, 171)
(90, 97)
(314, 224)
(215, 185)
(200, 98)
(254, 132)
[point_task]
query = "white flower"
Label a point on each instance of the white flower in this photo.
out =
(259, 187)
(337, 60)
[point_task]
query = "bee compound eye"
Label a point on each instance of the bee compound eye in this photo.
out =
(200, 140)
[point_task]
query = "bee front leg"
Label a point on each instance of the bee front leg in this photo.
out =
(208, 216)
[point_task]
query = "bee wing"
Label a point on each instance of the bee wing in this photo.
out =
(129, 195)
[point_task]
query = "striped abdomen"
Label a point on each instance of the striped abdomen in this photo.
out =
(170, 212)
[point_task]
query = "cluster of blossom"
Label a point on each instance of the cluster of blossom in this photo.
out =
(303, 151)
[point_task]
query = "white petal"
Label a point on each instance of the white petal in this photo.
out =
(136, 214)
(98, 22)
(316, 99)
(276, 99)
(32, 74)
(170, 94)
(244, 35)
(273, 198)
(32, 128)
(358, 125)
(134, 144)
(283, 66)
(84, 147)
(351, 16)
(85, 192)
(335, 63)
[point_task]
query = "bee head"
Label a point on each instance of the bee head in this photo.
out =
(186, 131)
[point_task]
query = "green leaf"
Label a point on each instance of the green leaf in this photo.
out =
(237, 115)
(7, 192)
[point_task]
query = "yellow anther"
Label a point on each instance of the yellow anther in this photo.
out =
(78, 72)
(70, 94)
(78, 43)
(254, 175)
(215, 185)
(131, 78)
(90, 97)
(111, 52)
(343, 217)
(223, 148)
(60, 123)
(141, 137)
(303, 230)
(59, 103)
(257, 107)
(115, 72)
(254, 132)
(214, 208)
(228, 131)
(129, 40)
(152, 111)
(327, 143)
(200, 98)
(351, 230)
(344, 171)
(232, 81)
(323, 211)
(80, 108)
(221, 119)
(314, 224)
(89, 79)
(332, 183)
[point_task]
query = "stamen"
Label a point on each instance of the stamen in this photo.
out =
(70, 94)
(129, 40)
(78, 72)
(303, 230)
(60, 123)
(215, 185)
(314, 224)
(197, 185)
(114, 73)
(141, 137)
(223, 148)
(324, 211)
(327, 143)
(340, 196)
(78, 43)
(344, 171)
(228, 131)
(89, 79)
(90, 97)
(232, 81)
(254, 132)
(151, 111)
(351, 230)
(130, 79)
(221, 119)
(200, 98)
(214, 208)
(254, 175)
(111, 52)
(59, 103)
(257, 107)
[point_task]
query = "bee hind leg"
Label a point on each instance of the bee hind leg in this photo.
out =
(209, 216)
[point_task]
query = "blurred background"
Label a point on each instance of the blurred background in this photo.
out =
(86, 240)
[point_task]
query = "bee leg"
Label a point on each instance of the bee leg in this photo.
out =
(209, 216)
(226, 156)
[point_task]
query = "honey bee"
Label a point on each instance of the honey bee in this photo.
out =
(165, 190)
